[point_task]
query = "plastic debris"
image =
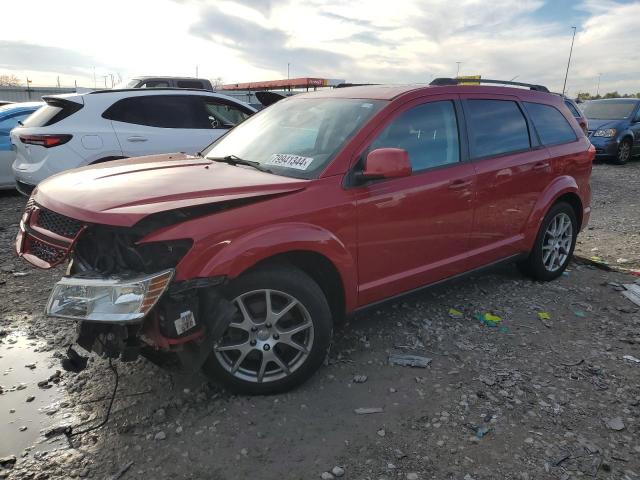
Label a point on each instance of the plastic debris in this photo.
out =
(489, 319)
(579, 313)
(407, 360)
(453, 313)
(545, 318)
(631, 358)
(360, 378)
(482, 431)
(632, 292)
(368, 411)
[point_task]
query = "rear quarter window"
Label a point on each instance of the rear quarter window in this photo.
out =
(54, 111)
(496, 127)
(551, 125)
(190, 84)
(572, 109)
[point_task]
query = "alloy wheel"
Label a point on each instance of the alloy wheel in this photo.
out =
(625, 152)
(270, 337)
(557, 241)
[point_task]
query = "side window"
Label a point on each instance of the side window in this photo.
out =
(572, 109)
(550, 124)
(163, 111)
(12, 122)
(221, 115)
(428, 132)
(496, 127)
(155, 84)
(190, 84)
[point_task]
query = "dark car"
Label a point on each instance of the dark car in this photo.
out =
(577, 114)
(241, 259)
(614, 128)
(169, 82)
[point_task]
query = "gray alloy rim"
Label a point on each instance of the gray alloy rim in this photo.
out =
(556, 244)
(625, 150)
(270, 337)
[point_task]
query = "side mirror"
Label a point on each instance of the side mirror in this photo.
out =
(386, 163)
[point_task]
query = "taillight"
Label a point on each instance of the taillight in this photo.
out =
(46, 141)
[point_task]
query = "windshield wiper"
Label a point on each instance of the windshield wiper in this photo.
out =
(235, 160)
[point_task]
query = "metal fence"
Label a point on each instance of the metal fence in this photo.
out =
(32, 94)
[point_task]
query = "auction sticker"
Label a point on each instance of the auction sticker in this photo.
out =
(185, 322)
(289, 161)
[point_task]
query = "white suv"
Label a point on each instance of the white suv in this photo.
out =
(83, 128)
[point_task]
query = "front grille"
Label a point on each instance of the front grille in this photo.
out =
(48, 253)
(59, 224)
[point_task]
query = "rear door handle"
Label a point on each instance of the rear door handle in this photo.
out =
(137, 138)
(459, 184)
(540, 165)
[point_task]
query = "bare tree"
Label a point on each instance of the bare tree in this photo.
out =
(9, 81)
(217, 83)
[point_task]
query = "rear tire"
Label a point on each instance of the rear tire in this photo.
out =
(624, 152)
(554, 244)
(275, 351)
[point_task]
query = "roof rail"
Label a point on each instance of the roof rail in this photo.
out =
(455, 81)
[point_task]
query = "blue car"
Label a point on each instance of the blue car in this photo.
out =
(614, 128)
(10, 115)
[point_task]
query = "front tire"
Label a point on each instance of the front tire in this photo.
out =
(624, 152)
(279, 336)
(554, 244)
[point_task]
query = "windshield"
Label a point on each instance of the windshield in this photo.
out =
(609, 110)
(296, 137)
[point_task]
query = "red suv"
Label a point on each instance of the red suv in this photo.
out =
(241, 259)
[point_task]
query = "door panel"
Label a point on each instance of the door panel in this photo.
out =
(508, 184)
(414, 230)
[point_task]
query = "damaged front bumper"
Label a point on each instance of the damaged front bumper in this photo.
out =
(118, 300)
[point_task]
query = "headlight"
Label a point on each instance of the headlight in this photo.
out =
(119, 300)
(607, 132)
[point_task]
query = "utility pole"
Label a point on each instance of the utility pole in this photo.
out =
(598, 87)
(564, 87)
(28, 89)
(458, 70)
(58, 81)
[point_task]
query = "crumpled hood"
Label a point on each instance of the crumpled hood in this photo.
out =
(122, 192)
(595, 124)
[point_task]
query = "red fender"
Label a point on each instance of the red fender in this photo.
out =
(556, 189)
(233, 257)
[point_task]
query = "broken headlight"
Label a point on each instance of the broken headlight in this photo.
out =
(117, 300)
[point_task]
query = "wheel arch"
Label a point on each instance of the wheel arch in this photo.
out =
(563, 188)
(321, 269)
(108, 159)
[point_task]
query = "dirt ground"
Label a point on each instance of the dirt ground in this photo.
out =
(527, 399)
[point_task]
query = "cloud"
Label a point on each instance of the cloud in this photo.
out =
(263, 47)
(25, 56)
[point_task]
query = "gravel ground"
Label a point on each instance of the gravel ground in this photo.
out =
(527, 399)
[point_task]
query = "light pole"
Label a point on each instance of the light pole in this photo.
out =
(598, 87)
(458, 70)
(564, 87)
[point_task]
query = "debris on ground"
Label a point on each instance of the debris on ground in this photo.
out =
(632, 292)
(453, 313)
(545, 318)
(631, 358)
(489, 319)
(408, 360)
(368, 411)
(360, 378)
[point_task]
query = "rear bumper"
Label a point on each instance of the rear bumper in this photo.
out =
(25, 189)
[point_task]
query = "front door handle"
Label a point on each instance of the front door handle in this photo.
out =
(459, 184)
(137, 138)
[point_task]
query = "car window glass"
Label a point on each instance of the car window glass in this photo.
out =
(190, 84)
(163, 111)
(496, 127)
(155, 84)
(428, 132)
(609, 109)
(572, 109)
(220, 115)
(12, 122)
(551, 125)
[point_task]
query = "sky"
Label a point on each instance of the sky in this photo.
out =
(392, 41)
